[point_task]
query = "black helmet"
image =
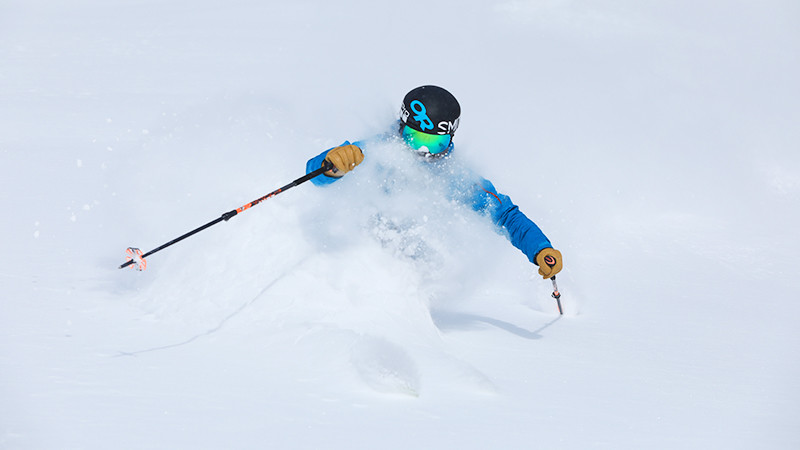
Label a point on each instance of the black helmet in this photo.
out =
(431, 109)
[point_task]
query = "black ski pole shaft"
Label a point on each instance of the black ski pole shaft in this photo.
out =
(551, 261)
(326, 165)
(557, 295)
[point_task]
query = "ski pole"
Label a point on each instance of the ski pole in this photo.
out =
(551, 261)
(136, 257)
(557, 295)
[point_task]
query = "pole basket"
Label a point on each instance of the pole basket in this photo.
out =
(135, 259)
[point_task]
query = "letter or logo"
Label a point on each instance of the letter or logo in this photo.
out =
(447, 127)
(404, 114)
(422, 115)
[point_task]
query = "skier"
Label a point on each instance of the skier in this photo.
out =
(429, 117)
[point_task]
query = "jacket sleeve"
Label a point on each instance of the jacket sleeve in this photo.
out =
(315, 163)
(522, 232)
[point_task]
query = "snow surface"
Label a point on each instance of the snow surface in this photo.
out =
(656, 143)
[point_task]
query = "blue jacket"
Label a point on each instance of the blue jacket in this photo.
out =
(482, 197)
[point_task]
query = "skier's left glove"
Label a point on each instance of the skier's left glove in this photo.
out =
(549, 262)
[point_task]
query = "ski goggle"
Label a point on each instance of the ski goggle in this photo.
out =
(424, 142)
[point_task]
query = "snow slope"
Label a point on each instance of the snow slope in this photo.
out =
(654, 142)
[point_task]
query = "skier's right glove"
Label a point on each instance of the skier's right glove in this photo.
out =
(344, 159)
(549, 262)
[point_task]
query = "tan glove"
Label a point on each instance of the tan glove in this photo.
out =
(549, 262)
(344, 158)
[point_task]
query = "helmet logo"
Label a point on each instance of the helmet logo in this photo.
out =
(447, 127)
(422, 115)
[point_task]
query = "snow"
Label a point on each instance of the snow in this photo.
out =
(654, 142)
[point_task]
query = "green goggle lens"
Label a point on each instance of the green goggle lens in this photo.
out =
(432, 143)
